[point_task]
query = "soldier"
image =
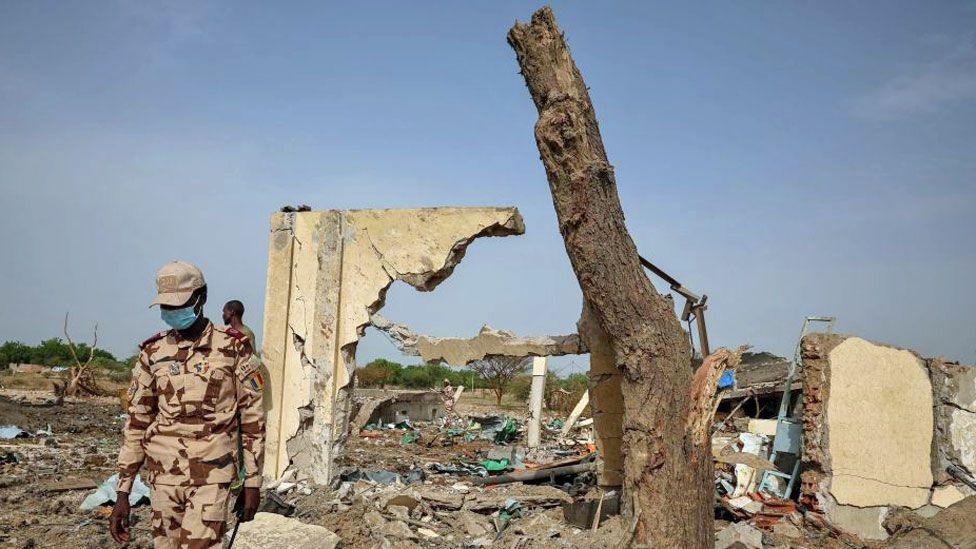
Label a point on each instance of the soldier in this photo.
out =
(194, 389)
(233, 316)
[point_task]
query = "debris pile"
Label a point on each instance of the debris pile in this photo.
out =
(60, 456)
(411, 474)
(879, 431)
(469, 482)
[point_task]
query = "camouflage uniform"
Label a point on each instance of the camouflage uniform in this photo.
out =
(186, 397)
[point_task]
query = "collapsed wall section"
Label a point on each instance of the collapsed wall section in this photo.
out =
(880, 426)
(328, 271)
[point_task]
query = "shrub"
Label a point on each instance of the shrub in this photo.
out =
(520, 387)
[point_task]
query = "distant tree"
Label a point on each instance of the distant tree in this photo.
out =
(379, 372)
(57, 352)
(425, 376)
(14, 352)
(499, 371)
(416, 376)
(568, 392)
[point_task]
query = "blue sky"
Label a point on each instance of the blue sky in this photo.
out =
(784, 158)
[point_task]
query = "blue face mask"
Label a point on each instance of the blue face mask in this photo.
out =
(180, 319)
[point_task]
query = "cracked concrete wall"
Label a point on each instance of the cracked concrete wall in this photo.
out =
(868, 427)
(328, 272)
(880, 422)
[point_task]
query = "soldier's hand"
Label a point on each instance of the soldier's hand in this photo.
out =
(118, 522)
(250, 499)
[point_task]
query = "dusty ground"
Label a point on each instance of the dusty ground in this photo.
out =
(40, 493)
(35, 509)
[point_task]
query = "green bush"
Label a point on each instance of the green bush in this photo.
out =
(382, 372)
(520, 387)
(50, 352)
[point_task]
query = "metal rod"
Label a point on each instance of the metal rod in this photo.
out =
(675, 285)
(958, 474)
(653, 268)
(522, 476)
(702, 331)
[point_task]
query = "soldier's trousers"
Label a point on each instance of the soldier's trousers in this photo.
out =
(189, 517)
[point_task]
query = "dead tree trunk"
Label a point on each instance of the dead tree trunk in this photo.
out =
(667, 472)
(79, 374)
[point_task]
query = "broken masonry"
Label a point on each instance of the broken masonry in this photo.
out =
(328, 274)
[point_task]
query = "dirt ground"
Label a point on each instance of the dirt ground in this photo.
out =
(41, 492)
(40, 495)
(44, 478)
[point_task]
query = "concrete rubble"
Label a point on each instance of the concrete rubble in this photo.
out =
(739, 534)
(954, 390)
(953, 528)
(428, 490)
(488, 342)
(881, 428)
(270, 530)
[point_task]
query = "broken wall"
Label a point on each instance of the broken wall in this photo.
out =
(606, 401)
(954, 388)
(328, 271)
(488, 342)
(871, 424)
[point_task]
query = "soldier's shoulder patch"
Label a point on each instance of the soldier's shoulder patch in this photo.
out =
(235, 333)
(254, 381)
(154, 337)
(250, 374)
(247, 367)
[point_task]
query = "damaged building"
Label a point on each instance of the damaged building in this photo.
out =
(881, 426)
(328, 274)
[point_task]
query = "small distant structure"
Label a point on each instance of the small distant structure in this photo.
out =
(396, 406)
(23, 368)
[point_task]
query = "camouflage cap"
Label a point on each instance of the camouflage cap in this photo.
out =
(175, 283)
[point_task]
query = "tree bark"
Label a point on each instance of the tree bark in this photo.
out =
(667, 485)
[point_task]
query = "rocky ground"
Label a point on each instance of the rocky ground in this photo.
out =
(71, 448)
(45, 477)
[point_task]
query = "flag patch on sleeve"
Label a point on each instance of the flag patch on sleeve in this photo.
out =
(255, 381)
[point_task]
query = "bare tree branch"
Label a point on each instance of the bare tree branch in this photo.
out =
(71, 344)
(79, 374)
